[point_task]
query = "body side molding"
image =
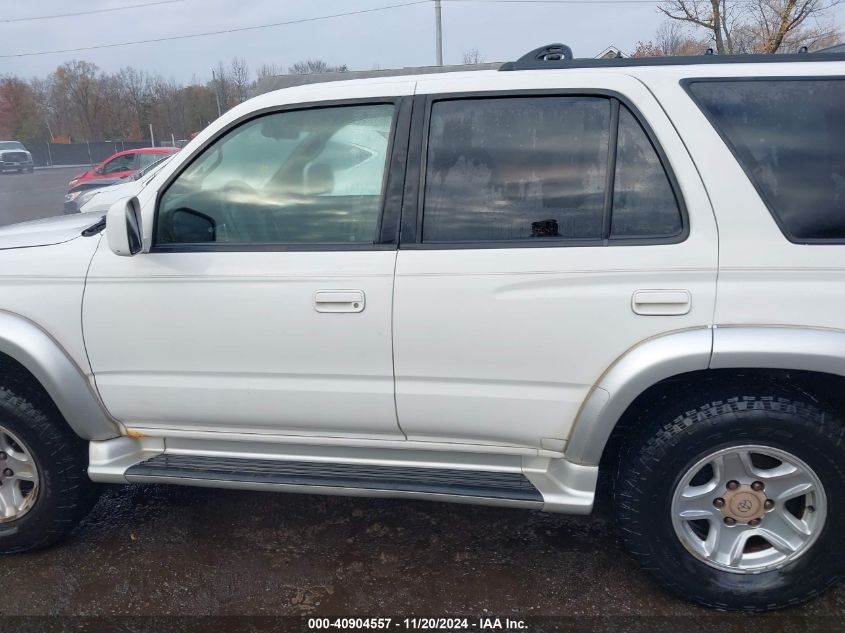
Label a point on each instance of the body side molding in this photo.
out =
(642, 366)
(64, 382)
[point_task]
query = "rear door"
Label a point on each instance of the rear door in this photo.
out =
(551, 227)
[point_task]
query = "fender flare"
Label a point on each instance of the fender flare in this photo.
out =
(668, 355)
(68, 386)
(640, 367)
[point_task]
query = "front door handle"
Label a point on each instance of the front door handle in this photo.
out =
(661, 302)
(339, 300)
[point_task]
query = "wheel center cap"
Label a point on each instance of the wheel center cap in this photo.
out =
(744, 504)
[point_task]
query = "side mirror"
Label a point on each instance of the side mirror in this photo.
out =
(99, 171)
(123, 227)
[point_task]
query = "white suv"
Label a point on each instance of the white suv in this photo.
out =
(486, 287)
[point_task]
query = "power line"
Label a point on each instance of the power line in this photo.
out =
(92, 11)
(222, 32)
(594, 2)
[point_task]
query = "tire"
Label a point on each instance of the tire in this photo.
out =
(674, 437)
(64, 494)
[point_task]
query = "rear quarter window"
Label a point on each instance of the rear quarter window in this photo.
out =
(789, 137)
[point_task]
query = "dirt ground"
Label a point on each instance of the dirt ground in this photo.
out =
(174, 551)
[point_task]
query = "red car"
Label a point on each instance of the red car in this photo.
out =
(124, 163)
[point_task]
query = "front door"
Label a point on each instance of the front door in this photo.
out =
(553, 227)
(264, 304)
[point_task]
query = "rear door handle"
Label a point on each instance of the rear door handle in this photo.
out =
(661, 302)
(339, 300)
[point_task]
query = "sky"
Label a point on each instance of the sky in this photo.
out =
(389, 38)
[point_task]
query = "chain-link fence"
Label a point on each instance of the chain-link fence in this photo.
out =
(48, 154)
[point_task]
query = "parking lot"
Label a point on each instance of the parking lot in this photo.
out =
(32, 196)
(161, 551)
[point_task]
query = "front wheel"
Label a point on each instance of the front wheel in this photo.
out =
(44, 487)
(736, 503)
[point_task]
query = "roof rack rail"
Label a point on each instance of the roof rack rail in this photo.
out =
(539, 56)
(839, 48)
(560, 56)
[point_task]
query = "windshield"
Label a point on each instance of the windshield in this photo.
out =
(153, 167)
(11, 145)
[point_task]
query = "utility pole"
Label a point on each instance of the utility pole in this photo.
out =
(152, 138)
(216, 92)
(439, 26)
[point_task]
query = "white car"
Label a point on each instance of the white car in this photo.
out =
(100, 199)
(488, 287)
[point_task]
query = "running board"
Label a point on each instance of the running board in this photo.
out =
(438, 481)
(514, 480)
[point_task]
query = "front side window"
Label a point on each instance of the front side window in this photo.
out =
(145, 160)
(119, 164)
(535, 169)
(298, 177)
(788, 136)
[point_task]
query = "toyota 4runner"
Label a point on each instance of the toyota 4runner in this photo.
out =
(488, 287)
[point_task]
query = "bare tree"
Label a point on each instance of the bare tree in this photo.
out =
(761, 26)
(222, 86)
(133, 88)
(79, 87)
(647, 49)
(315, 66)
(790, 24)
(239, 78)
(672, 38)
(268, 70)
(473, 56)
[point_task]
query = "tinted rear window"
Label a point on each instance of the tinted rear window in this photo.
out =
(789, 136)
(535, 169)
(644, 204)
(516, 168)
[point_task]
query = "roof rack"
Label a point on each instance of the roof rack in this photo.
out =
(560, 56)
(539, 56)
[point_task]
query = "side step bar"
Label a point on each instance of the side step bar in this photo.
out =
(438, 481)
(498, 479)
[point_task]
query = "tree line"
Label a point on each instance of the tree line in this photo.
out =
(734, 27)
(78, 102)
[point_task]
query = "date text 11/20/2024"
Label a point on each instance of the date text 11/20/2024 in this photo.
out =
(419, 624)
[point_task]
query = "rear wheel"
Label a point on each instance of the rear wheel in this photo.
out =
(736, 503)
(44, 487)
